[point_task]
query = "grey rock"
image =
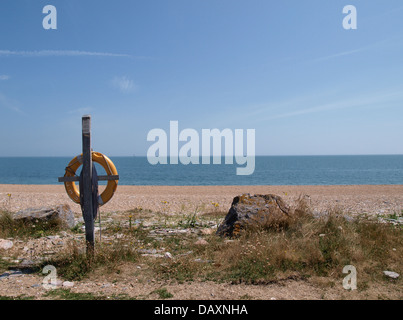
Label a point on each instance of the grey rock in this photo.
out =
(247, 210)
(16, 273)
(27, 263)
(12, 273)
(62, 213)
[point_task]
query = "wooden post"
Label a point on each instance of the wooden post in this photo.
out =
(86, 187)
(87, 206)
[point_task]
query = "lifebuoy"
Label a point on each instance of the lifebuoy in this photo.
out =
(72, 189)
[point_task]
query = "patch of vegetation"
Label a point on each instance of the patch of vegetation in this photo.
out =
(74, 264)
(77, 229)
(10, 228)
(314, 247)
(163, 293)
(66, 294)
(20, 297)
(299, 247)
(182, 269)
(190, 221)
(394, 216)
(4, 264)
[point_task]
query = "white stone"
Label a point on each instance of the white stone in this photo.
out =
(391, 274)
(6, 244)
(68, 284)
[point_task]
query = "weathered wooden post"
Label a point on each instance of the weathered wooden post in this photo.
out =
(88, 196)
(87, 205)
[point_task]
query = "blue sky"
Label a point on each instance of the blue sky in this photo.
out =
(287, 69)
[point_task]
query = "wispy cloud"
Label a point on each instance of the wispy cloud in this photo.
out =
(124, 84)
(340, 54)
(376, 99)
(63, 53)
(4, 77)
(10, 104)
(351, 52)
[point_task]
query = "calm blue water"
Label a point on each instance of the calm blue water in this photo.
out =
(269, 170)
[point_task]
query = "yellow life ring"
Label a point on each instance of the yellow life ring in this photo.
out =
(72, 189)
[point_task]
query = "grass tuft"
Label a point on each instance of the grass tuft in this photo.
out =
(10, 228)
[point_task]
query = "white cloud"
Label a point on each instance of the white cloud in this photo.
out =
(374, 99)
(60, 53)
(124, 84)
(4, 77)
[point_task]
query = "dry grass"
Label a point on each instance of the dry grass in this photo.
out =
(299, 246)
(10, 228)
(304, 246)
(73, 264)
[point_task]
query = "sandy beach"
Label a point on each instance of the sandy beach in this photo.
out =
(371, 199)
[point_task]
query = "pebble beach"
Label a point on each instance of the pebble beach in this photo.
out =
(361, 199)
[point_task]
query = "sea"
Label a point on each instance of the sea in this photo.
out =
(269, 170)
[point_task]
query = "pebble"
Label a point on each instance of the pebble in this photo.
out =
(6, 244)
(155, 255)
(53, 237)
(201, 242)
(68, 284)
(229, 241)
(391, 274)
(202, 261)
(208, 231)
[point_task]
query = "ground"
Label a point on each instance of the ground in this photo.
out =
(168, 249)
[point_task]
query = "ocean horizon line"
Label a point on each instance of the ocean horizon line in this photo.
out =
(276, 155)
